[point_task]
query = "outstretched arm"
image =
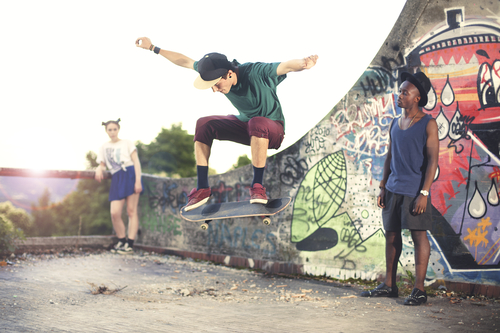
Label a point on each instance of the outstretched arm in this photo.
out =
(174, 57)
(296, 65)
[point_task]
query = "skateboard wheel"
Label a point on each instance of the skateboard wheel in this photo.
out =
(267, 220)
(204, 226)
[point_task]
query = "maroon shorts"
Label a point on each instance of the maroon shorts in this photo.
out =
(230, 128)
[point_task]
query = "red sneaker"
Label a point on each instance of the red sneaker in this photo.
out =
(258, 194)
(197, 198)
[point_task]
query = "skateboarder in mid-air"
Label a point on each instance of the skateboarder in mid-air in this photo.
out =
(251, 88)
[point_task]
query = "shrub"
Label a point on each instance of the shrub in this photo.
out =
(19, 217)
(8, 235)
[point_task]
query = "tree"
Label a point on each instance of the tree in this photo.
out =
(211, 171)
(170, 153)
(14, 223)
(19, 217)
(91, 160)
(43, 217)
(8, 235)
(88, 204)
(242, 161)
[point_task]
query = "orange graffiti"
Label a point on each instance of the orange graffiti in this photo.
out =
(476, 237)
(485, 222)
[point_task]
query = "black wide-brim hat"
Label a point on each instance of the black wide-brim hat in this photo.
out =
(422, 82)
(212, 67)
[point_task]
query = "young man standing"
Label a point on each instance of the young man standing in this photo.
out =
(409, 171)
(251, 88)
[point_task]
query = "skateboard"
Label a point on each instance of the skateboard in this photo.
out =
(226, 210)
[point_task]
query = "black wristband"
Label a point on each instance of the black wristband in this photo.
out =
(156, 50)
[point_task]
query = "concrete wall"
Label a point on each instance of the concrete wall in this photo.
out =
(333, 225)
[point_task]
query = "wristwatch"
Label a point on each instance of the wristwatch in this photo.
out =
(424, 193)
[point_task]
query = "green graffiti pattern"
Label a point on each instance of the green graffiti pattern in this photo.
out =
(162, 223)
(320, 195)
(157, 222)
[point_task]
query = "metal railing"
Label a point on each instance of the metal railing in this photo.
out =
(71, 174)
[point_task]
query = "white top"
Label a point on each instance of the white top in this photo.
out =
(116, 155)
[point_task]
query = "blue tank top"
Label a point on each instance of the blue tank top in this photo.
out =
(409, 158)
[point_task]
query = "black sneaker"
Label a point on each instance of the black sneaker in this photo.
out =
(115, 248)
(417, 297)
(382, 290)
(125, 249)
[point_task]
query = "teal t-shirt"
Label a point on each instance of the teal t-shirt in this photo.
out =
(255, 93)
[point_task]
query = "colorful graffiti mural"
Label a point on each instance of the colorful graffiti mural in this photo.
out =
(333, 225)
(462, 61)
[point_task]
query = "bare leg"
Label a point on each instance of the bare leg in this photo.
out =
(258, 147)
(422, 253)
(201, 153)
(116, 217)
(133, 217)
(393, 248)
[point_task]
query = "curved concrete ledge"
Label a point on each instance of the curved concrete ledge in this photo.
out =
(56, 243)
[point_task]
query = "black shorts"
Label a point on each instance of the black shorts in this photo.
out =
(398, 214)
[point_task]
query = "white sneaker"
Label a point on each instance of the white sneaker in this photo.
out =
(115, 248)
(125, 249)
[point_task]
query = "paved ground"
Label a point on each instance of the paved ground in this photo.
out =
(83, 293)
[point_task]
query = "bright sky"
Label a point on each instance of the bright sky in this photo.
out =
(66, 66)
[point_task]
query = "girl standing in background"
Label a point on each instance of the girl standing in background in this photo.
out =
(120, 157)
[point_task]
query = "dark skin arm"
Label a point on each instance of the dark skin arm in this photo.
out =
(420, 202)
(385, 177)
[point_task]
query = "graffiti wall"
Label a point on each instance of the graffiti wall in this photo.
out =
(333, 226)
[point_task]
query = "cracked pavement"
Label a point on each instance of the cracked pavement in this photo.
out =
(104, 292)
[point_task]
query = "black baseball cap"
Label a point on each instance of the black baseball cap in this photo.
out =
(211, 68)
(421, 81)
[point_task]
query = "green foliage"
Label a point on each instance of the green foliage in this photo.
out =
(88, 204)
(411, 277)
(91, 159)
(405, 281)
(19, 217)
(211, 171)
(43, 217)
(242, 161)
(170, 153)
(8, 235)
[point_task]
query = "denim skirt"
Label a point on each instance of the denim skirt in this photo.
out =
(122, 184)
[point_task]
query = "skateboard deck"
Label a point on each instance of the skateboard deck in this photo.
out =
(226, 210)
